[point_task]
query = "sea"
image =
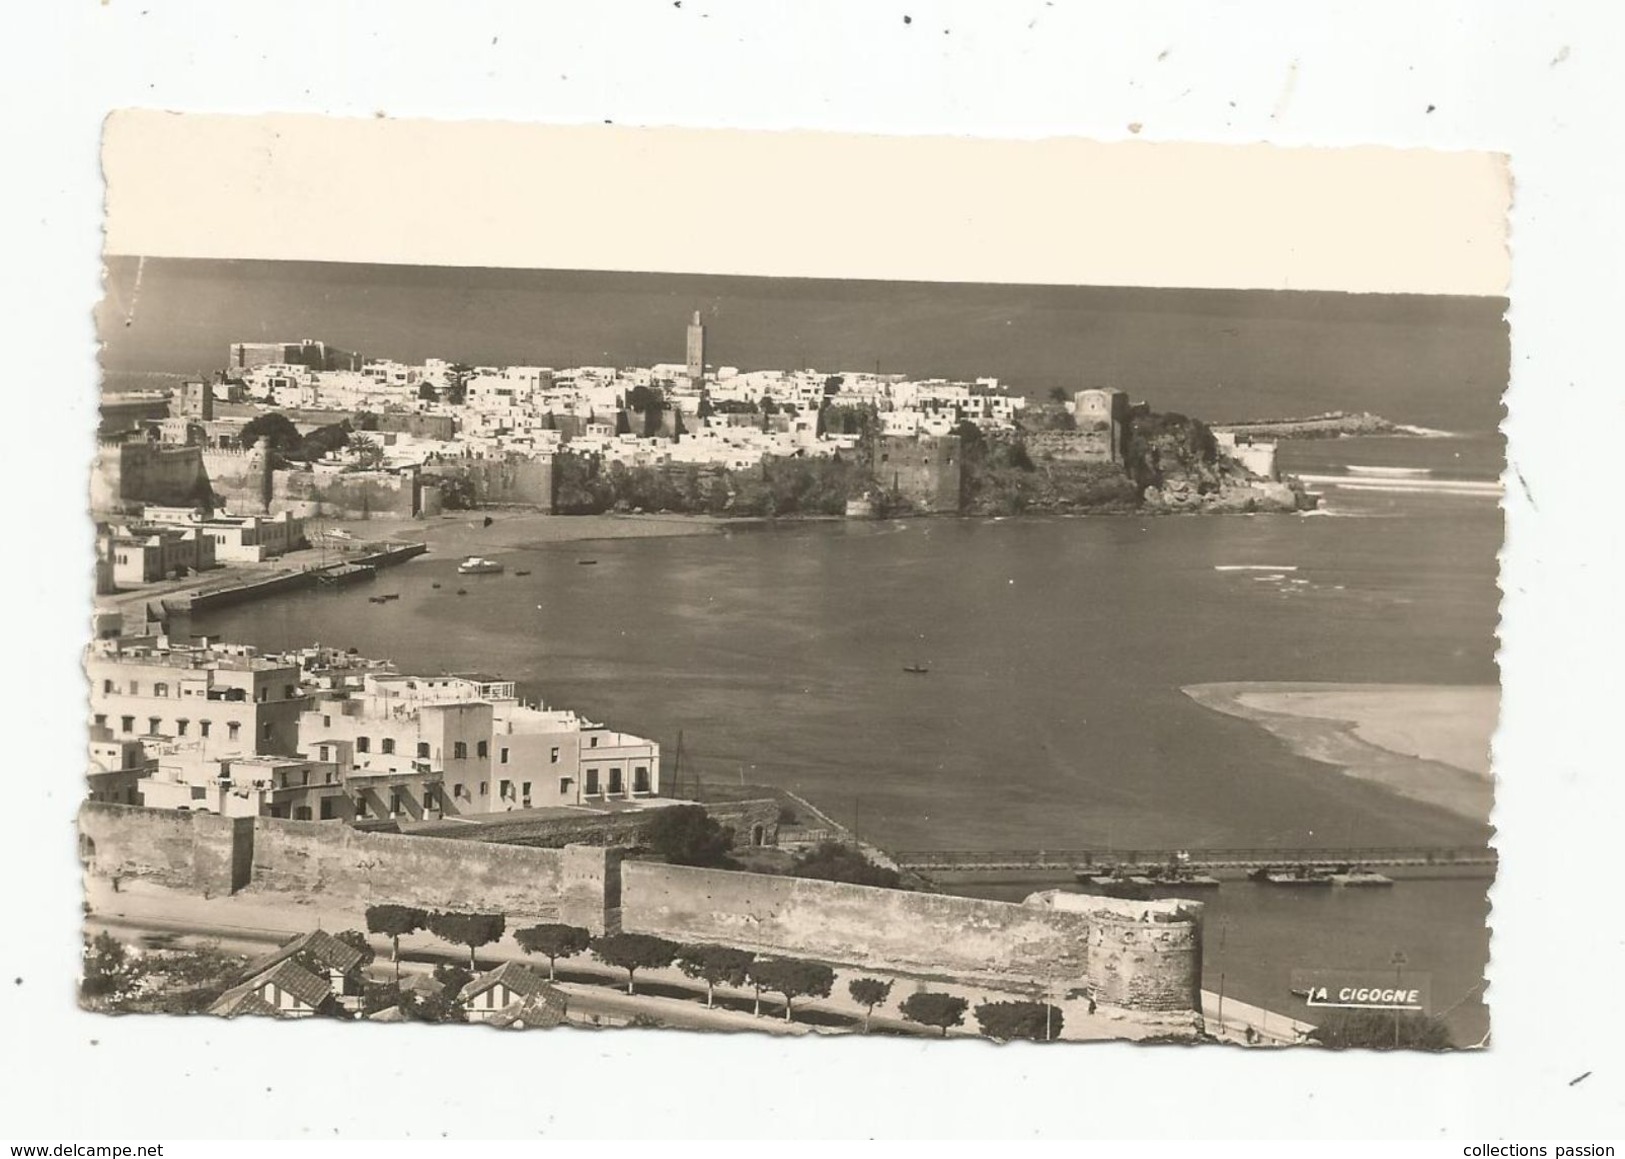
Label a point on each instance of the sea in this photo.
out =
(1052, 715)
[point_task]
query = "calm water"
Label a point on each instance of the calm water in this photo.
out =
(1052, 714)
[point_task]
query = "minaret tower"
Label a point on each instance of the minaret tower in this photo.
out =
(696, 351)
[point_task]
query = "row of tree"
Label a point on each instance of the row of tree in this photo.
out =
(792, 978)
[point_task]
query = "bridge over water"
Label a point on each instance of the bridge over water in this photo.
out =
(1241, 859)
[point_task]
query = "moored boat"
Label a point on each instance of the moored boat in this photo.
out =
(1293, 875)
(478, 565)
(1361, 877)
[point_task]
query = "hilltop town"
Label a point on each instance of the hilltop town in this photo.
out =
(303, 429)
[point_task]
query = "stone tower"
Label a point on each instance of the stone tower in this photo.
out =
(197, 400)
(1103, 418)
(696, 350)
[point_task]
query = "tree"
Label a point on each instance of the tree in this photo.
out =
(634, 952)
(832, 861)
(369, 452)
(110, 972)
(357, 941)
(716, 966)
(1038, 1021)
(471, 930)
(793, 978)
(395, 922)
(275, 428)
(1057, 394)
(688, 835)
(868, 993)
(932, 1008)
(427, 392)
(1381, 1030)
(323, 441)
(554, 941)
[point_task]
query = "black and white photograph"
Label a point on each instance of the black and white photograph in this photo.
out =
(665, 572)
(541, 647)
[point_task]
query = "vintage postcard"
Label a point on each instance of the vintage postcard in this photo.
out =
(795, 584)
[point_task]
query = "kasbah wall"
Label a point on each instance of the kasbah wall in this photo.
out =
(924, 470)
(1150, 966)
(499, 482)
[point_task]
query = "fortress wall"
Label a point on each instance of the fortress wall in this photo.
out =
(1151, 966)
(352, 495)
(919, 933)
(197, 852)
(128, 475)
(332, 860)
(527, 482)
(925, 470)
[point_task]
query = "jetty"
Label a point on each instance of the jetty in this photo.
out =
(355, 569)
(1469, 860)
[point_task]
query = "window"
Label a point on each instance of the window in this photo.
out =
(160, 689)
(524, 792)
(152, 725)
(482, 749)
(640, 779)
(504, 754)
(180, 727)
(553, 757)
(260, 694)
(327, 722)
(126, 723)
(363, 744)
(388, 745)
(304, 777)
(329, 778)
(107, 686)
(615, 785)
(485, 789)
(203, 727)
(564, 785)
(593, 743)
(394, 802)
(459, 750)
(423, 750)
(135, 688)
(101, 720)
(506, 788)
(324, 752)
(232, 729)
(592, 782)
(265, 731)
(360, 807)
(287, 692)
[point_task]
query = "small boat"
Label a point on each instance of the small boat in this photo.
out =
(478, 565)
(524, 572)
(462, 591)
(377, 599)
(435, 585)
(387, 596)
(917, 669)
(1361, 877)
(586, 562)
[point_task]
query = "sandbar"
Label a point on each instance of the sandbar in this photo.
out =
(1427, 742)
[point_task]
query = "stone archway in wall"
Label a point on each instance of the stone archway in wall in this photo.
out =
(758, 835)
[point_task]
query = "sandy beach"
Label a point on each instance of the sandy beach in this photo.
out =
(1427, 742)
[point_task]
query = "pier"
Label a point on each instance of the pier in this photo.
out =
(1212, 860)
